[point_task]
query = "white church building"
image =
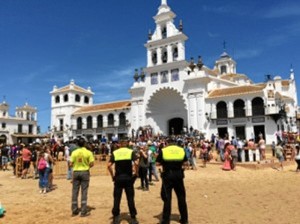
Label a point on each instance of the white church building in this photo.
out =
(20, 128)
(173, 96)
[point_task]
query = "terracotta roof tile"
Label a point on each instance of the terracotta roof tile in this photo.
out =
(233, 76)
(214, 72)
(103, 107)
(285, 82)
(231, 91)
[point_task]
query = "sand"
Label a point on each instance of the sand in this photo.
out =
(213, 196)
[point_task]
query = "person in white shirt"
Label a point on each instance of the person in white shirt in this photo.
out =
(67, 158)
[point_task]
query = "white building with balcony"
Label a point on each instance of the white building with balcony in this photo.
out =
(171, 95)
(19, 128)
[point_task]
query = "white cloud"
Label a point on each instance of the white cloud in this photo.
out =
(280, 11)
(283, 35)
(248, 53)
(219, 9)
(213, 35)
(32, 76)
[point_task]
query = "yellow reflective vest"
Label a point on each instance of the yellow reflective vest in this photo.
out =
(173, 153)
(122, 154)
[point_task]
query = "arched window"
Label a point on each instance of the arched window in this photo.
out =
(164, 32)
(66, 98)
(89, 122)
(122, 119)
(110, 119)
(258, 107)
(223, 69)
(77, 98)
(79, 123)
(57, 99)
(154, 57)
(175, 53)
(239, 108)
(86, 99)
(27, 116)
(100, 121)
(222, 110)
(164, 56)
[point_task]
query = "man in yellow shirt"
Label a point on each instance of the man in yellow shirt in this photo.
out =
(81, 160)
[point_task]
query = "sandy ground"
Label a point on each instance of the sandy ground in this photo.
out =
(213, 196)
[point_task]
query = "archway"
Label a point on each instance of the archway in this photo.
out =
(175, 126)
(166, 108)
(3, 139)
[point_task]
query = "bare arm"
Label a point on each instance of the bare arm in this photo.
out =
(91, 164)
(110, 170)
(135, 167)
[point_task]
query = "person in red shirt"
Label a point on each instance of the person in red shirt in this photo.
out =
(26, 157)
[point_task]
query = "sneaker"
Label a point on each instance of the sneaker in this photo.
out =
(164, 222)
(183, 222)
(134, 221)
(146, 189)
(75, 212)
(84, 214)
(116, 220)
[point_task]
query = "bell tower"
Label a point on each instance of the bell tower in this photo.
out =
(225, 64)
(167, 43)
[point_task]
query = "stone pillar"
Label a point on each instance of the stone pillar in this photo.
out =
(250, 155)
(200, 112)
(149, 58)
(230, 109)
(170, 54)
(105, 121)
(248, 107)
(192, 116)
(181, 51)
(243, 156)
(158, 52)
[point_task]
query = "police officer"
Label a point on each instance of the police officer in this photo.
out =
(126, 164)
(173, 158)
(81, 160)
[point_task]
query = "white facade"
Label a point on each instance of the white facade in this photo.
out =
(19, 128)
(171, 95)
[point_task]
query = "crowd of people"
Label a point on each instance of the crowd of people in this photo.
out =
(150, 160)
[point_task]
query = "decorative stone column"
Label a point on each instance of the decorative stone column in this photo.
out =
(192, 116)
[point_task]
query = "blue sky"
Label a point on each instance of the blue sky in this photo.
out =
(99, 43)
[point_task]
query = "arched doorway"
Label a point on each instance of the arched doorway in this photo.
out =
(165, 109)
(175, 126)
(3, 139)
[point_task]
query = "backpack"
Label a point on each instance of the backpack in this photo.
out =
(42, 164)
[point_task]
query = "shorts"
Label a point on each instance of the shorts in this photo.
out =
(4, 160)
(26, 164)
